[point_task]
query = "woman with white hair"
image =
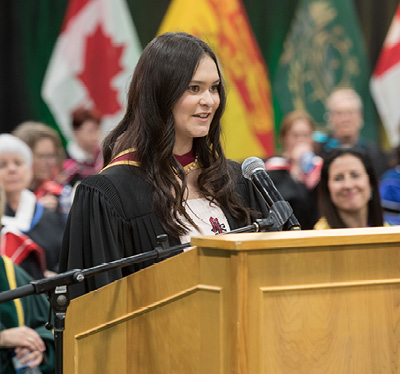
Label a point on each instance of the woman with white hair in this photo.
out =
(27, 225)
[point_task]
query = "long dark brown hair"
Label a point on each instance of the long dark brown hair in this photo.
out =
(327, 207)
(161, 77)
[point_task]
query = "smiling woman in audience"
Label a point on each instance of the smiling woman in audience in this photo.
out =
(348, 193)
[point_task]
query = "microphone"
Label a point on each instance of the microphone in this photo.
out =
(254, 169)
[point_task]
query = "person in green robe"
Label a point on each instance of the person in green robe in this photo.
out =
(22, 321)
(22, 324)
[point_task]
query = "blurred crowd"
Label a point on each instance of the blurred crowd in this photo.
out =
(336, 179)
(38, 178)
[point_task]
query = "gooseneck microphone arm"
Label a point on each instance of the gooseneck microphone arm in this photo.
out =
(254, 169)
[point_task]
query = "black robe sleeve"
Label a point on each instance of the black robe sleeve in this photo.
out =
(111, 218)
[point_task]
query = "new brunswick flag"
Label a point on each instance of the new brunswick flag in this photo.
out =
(247, 124)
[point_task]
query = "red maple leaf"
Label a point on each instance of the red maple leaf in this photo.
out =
(102, 64)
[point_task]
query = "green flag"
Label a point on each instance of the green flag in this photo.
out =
(324, 49)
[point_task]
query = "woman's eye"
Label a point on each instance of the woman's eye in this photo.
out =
(194, 88)
(214, 88)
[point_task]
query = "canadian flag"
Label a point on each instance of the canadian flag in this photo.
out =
(385, 82)
(92, 62)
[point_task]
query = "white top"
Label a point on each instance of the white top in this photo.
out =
(24, 215)
(207, 216)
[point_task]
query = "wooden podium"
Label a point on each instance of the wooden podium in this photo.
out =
(284, 302)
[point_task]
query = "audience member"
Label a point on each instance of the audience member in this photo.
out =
(23, 214)
(48, 158)
(22, 324)
(22, 321)
(296, 173)
(345, 111)
(83, 152)
(348, 192)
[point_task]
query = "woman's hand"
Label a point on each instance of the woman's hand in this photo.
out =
(22, 337)
(48, 273)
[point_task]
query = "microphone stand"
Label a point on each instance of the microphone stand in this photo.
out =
(57, 290)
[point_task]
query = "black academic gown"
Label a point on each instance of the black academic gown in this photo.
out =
(112, 217)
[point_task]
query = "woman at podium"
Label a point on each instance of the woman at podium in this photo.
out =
(165, 170)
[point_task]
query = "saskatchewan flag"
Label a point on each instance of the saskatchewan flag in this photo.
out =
(247, 124)
(324, 49)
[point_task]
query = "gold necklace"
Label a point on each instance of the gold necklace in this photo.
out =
(192, 166)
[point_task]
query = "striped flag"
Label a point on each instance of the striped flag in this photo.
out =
(92, 62)
(247, 124)
(385, 82)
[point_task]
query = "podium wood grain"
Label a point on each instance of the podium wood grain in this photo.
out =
(283, 302)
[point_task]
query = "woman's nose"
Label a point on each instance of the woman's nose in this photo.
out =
(207, 99)
(347, 182)
(11, 167)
